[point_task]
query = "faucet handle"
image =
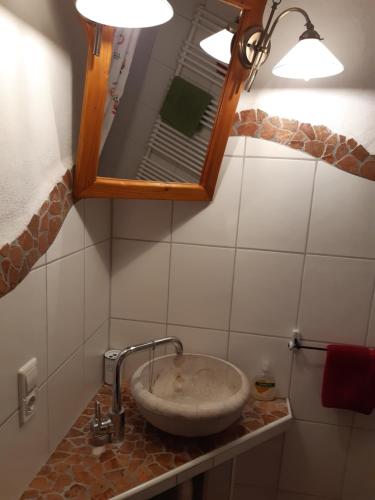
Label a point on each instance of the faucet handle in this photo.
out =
(101, 427)
(98, 412)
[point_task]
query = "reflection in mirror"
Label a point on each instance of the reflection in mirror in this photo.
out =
(171, 89)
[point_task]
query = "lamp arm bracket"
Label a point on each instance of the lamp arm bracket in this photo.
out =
(255, 45)
(97, 40)
(309, 25)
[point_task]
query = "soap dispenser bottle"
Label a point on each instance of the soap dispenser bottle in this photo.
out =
(264, 385)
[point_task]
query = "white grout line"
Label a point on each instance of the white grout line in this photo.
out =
(111, 223)
(281, 458)
(47, 361)
(65, 362)
(14, 413)
(170, 263)
(308, 496)
(232, 478)
(84, 284)
(372, 303)
(251, 249)
(224, 453)
(274, 336)
(235, 257)
(65, 256)
(306, 245)
(349, 257)
(204, 327)
(321, 422)
(8, 418)
(298, 311)
(346, 465)
(289, 158)
(95, 331)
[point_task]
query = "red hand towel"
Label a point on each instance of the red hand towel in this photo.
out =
(349, 378)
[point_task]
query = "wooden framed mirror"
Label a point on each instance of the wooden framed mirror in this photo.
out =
(137, 150)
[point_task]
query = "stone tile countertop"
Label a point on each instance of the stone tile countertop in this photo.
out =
(147, 456)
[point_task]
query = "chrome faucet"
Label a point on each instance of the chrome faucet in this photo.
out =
(112, 426)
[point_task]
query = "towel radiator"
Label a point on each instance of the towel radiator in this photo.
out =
(170, 156)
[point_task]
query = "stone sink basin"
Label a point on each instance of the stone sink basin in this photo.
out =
(191, 395)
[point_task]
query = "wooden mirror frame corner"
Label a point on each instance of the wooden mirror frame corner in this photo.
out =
(87, 184)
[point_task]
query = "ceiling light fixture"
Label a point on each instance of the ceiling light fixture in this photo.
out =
(310, 58)
(123, 14)
(126, 13)
(219, 45)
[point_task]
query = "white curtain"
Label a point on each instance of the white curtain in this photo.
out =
(124, 45)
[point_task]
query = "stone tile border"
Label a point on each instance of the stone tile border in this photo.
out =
(18, 257)
(316, 140)
(77, 469)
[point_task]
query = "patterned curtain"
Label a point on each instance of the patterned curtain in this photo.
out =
(124, 45)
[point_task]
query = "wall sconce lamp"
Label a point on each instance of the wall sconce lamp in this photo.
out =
(308, 59)
(124, 14)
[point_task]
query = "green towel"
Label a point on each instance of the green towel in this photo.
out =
(184, 106)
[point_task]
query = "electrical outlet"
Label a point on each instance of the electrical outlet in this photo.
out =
(27, 390)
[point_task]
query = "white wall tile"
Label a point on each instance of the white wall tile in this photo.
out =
(268, 149)
(235, 146)
(97, 220)
(371, 331)
(314, 459)
(245, 492)
(164, 51)
(249, 352)
(125, 333)
(217, 482)
(306, 387)
(42, 261)
(364, 421)
(286, 495)
(71, 237)
(140, 280)
(23, 327)
(266, 291)
(185, 475)
(157, 490)
(66, 397)
(23, 450)
(275, 204)
(94, 350)
(212, 223)
(336, 299)
(260, 466)
(97, 286)
(65, 288)
(360, 478)
(199, 340)
(142, 219)
(342, 221)
(200, 286)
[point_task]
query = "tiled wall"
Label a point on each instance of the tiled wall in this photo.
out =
(288, 241)
(58, 314)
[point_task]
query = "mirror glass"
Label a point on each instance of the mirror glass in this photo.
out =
(163, 122)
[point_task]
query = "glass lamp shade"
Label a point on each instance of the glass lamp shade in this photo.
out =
(218, 46)
(126, 13)
(309, 59)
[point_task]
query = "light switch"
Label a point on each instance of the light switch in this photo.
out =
(27, 390)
